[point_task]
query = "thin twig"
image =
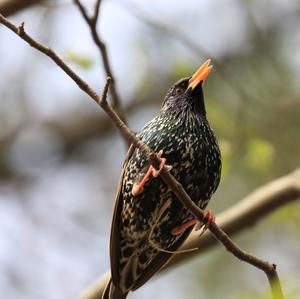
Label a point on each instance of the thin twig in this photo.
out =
(175, 186)
(94, 18)
(82, 11)
(92, 23)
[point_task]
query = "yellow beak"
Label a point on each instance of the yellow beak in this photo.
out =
(200, 75)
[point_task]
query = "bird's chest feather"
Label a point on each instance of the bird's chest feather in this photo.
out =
(191, 149)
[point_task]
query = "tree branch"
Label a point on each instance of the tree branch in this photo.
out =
(92, 23)
(9, 7)
(175, 186)
(246, 213)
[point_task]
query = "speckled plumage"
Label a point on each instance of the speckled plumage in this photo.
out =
(182, 131)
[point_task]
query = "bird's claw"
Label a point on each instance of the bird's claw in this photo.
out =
(155, 173)
(210, 218)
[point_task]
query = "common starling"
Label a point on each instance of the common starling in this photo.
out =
(149, 222)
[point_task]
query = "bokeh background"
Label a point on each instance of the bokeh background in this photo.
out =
(60, 156)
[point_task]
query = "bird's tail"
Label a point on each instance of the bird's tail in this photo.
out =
(113, 292)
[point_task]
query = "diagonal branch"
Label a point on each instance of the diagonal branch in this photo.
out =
(92, 23)
(175, 186)
(246, 213)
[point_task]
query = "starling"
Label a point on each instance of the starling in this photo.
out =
(149, 222)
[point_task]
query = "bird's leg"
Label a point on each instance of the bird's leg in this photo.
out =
(180, 229)
(155, 173)
(208, 214)
(139, 187)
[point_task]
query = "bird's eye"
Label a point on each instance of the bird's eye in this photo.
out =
(178, 90)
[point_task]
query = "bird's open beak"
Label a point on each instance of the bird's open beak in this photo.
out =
(200, 75)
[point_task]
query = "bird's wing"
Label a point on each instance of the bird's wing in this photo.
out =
(115, 226)
(157, 262)
(161, 259)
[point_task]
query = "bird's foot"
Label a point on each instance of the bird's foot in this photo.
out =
(155, 173)
(208, 214)
(180, 229)
(138, 188)
(210, 218)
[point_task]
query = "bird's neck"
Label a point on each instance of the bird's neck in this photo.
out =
(184, 110)
(184, 115)
(189, 107)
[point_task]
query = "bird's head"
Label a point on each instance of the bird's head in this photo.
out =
(186, 95)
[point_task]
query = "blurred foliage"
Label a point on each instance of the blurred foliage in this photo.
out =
(291, 291)
(57, 187)
(260, 155)
(84, 62)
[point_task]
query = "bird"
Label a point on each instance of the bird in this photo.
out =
(149, 223)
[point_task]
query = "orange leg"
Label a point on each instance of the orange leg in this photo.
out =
(139, 187)
(208, 214)
(180, 229)
(198, 224)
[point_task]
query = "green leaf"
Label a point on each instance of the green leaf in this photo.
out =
(83, 61)
(260, 154)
